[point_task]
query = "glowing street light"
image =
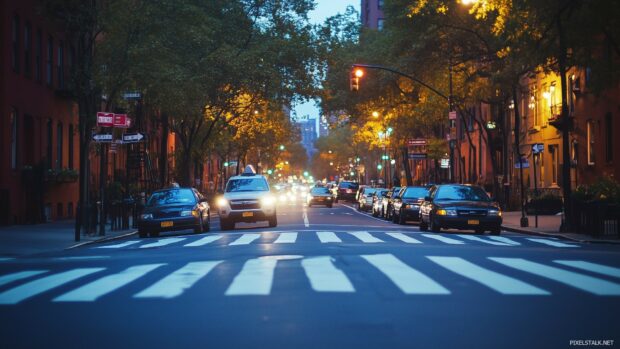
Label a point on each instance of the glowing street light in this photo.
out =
(281, 146)
(375, 114)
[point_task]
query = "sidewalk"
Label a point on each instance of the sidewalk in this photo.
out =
(19, 240)
(547, 226)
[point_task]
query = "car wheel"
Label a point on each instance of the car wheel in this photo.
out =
(435, 228)
(423, 225)
(273, 221)
(401, 219)
(394, 217)
(199, 228)
(142, 233)
(359, 207)
(153, 234)
(495, 231)
(225, 224)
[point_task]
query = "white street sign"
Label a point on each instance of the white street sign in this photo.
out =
(538, 148)
(132, 137)
(103, 137)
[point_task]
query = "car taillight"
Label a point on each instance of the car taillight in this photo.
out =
(349, 191)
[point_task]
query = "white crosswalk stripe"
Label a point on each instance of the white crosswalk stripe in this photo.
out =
(580, 281)
(479, 239)
(176, 283)
(6, 279)
(444, 239)
(98, 288)
(245, 239)
(286, 238)
(404, 238)
(365, 237)
(505, 240)
(38, 286)
(593, 267)
(496, 281)
(551, 243)
(407, 279)
(327, 236)
(205, 240)
(324, 276)
(163, 242)
(121, 245)
(255, 278)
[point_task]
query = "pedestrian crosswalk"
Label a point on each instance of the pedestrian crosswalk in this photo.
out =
(377, 238)
(408, 275)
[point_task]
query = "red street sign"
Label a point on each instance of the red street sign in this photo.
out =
(105, 119)
(122, 121)
(452, 115)
(416, 141)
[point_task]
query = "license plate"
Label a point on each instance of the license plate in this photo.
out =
(247, 214)
(167, 224)
(473, 222)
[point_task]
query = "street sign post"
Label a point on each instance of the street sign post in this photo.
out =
(538, 148)
(452, 115)
(132, 137)
(103, 137)
(524, 161)
(105, 119)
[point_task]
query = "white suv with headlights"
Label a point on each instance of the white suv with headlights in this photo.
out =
(247, 198)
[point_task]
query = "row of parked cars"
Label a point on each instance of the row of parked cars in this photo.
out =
(453, 206)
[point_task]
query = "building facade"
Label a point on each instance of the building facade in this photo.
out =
(372, 14)
(38, 126)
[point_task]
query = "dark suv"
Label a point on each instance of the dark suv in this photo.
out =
(347, 191)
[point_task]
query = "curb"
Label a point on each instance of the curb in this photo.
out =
(103, 239)
(558, 235)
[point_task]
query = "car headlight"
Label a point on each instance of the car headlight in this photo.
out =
(443, 212)
(414, 207)
(495, 213)
(146, 216)
(221, 202)
(268, 200)
(283, 198)
(187, 213)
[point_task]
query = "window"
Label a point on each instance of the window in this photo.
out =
(609, 139)
(60, 71)
(14, 133)
(533, 106)
(380, 23)
(553, 151)
(37, 56)
(15, 44)
(48, 62)
(49, 148)
(27, 48)
(590, 140)
(59, 140)
(70, 135)
(380, 4)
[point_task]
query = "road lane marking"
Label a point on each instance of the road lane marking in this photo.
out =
(121, 245)
(476, 238)
(33, 288)
(551, 243)
(404, 238)
(444, 239)
(245, 239)
(163, 242)
(6, 259)
(505, 240)
(327, 236)
(407, 279)
(306, 222)
(255, 278)
(365, 236)
(179, 281)
(498, 282)
(583, 282)
(205, 240)
(324, 276)
(286, 238)
(98, 288)
(593, 267)
(19, 276)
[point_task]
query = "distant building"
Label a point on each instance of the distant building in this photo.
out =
(372, 14)
(307, 127)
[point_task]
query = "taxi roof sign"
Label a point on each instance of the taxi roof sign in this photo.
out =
(249, 171)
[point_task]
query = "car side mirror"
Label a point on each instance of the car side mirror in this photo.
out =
(427, 198)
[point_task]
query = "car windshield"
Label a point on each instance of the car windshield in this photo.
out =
(171, 197)
(461, 193)
(395, 191)
(320, 191)
(246, 184)
(369, 191)
(415, 193)
(349, 185)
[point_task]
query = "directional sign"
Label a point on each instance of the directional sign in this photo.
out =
(132, 137)
(132, 95)
(105, 119)
(538, 148)
(103, 137)
(452, 115)
(418, 155)
(416, 141)
(444, 163)
(524, 161)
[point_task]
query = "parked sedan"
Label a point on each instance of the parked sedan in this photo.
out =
(347, 191)
(462, 207)
(365, 200)
(320, 196)
(174, 209)
(387, 203)
(377, 202)
(407, 204)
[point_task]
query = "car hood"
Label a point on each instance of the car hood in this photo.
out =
(466, 204)
(246, 195)
(168, 208)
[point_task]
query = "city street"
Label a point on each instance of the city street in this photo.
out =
(325, 277)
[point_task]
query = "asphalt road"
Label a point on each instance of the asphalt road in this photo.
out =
(324, 278)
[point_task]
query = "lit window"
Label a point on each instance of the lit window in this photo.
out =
(380, 23)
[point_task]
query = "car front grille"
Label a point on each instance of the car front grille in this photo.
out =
(472, 213)
(171, 214)
(244, 205)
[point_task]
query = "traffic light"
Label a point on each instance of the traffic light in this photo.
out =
(356, 74)
(379, 167)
